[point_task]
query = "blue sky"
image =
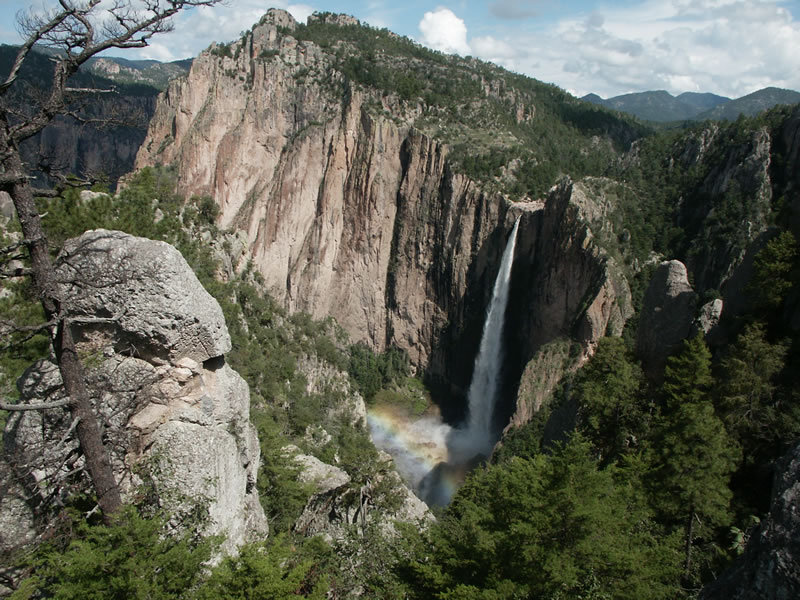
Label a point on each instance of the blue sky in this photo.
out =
(728, 47)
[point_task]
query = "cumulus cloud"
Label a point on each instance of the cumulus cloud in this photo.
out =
(442, 30)
(492, 49)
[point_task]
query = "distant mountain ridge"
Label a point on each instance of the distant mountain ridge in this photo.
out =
(145, 72)
(662, 107)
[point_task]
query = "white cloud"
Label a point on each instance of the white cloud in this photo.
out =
(156, 51)
(490, 48)
(729, 47)
(300, 12)
(442, 30)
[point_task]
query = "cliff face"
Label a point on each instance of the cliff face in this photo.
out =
(352, 212)
(93, 151)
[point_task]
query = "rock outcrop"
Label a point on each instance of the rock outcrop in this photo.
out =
(176, 417)
(769, 568)
(157, 308)
(566, 286)
(667, 314)
(337, 502)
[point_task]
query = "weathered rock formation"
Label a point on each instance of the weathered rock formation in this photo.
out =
(667, 314)
(770, 565)
(352, 212)
(338, 503)
(176, 417)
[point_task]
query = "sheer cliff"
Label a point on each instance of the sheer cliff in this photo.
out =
(356, 201)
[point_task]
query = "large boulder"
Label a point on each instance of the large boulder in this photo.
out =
(769, 568)
(155, 306)
(337, 502)
(175, 416)
(667, 315)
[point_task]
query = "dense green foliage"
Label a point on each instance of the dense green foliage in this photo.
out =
(373, 372)
(556, 526)
(275, 570)
(613, 415)
(131, 559)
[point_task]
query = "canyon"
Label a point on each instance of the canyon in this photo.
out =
(353, 212)
(348, 190)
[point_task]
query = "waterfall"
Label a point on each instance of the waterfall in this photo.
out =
(477, 436)
(419, 447)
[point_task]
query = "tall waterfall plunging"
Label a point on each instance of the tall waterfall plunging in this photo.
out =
(477, 436)
(432, 456)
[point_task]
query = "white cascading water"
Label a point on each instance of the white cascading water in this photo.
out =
(430, 455)
(477, 437)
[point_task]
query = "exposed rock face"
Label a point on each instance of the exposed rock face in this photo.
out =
(338, 503)
(708, 319)
(565, 286)
(353, 213)
(667, 314)
(92, 150)
(158, 307)
(6, 206)
(770, 565)
(540, 378)
(738, 185)
(176, 416)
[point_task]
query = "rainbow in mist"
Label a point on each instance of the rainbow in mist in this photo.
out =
(418, 447)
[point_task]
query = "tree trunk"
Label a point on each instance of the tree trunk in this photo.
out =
(46, 285)
(689, 538)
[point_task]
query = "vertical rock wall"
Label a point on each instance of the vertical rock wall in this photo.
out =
(350, 212)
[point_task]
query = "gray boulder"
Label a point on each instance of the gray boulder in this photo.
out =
(154, 305)
(707, 321)
(667, 314)
(175, 416)
(338, 503)
(769, 568)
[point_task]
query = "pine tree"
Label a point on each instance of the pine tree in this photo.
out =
(695, 455)
(746, 395)
(552, 526)
(612, 413)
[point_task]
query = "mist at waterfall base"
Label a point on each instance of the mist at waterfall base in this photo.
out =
(431, 456)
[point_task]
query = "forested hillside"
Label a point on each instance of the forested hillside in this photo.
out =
(638, 450)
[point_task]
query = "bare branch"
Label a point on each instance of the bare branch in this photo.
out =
(13, 273)
(36, 406)
(12, 252)
(44, 193)
(10, 327)
(34, 36)
(89, 90)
